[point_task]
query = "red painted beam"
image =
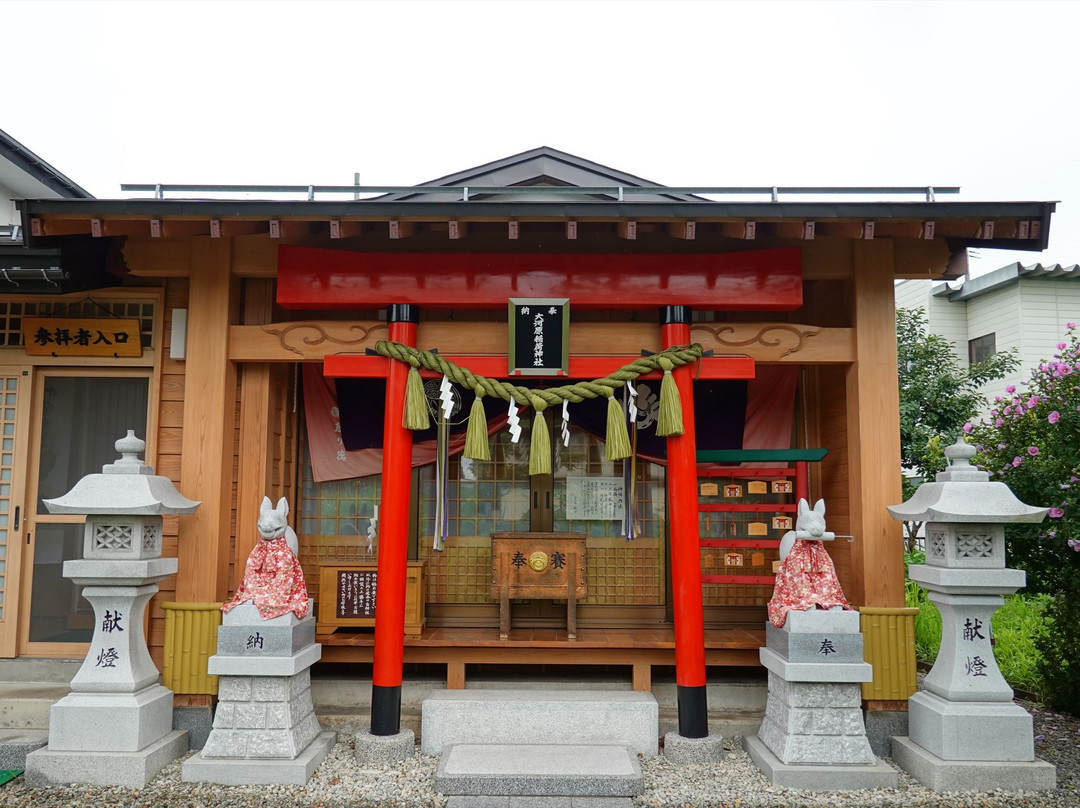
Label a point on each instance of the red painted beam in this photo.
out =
(684, 532)
(755, 280)
(353, 366)
(393, 556)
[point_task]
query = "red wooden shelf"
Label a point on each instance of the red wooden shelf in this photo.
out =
(746, 580)
(738, 544)
(747, 507)
(748, 472)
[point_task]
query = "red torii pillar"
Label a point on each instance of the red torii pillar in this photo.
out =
(403, 319)
(685, 547)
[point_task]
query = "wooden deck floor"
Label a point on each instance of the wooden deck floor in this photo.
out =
(638, 649)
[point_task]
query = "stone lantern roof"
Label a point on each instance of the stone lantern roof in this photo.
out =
(127, 487)
(964, 493)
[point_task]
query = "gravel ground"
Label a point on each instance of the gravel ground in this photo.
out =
(734, 782)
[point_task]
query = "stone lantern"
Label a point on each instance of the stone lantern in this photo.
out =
(115, 727)
(965, 732)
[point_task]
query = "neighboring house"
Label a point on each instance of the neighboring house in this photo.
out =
(24, 175)
(1015, 307)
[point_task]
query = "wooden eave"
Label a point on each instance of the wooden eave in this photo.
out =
(992, 225)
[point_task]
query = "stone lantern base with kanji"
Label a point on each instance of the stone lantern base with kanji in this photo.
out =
(115, 727)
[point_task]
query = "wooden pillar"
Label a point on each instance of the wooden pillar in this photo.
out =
(873, 426)
(254, 473)
(393, 536)
(206, 467)
(685, 542)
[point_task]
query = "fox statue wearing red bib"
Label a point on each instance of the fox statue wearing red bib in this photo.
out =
(273, 579)
(806, 578)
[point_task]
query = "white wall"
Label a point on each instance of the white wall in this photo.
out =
(1029, 315)
(8, 213)
(946, 319)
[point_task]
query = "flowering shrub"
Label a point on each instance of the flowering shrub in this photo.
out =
(1031, 442)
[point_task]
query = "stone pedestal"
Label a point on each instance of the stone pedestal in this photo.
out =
(265, 729)
(812, 736)
(115, 727)
(964, 731)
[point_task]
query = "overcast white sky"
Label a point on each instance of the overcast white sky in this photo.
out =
(978, 94)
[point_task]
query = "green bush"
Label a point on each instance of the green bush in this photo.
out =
(1058, 638)
(1016, 626)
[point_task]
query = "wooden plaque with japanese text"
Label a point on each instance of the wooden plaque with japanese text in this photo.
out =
(347, 596)
(81, 336)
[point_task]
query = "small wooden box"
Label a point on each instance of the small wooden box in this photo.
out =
(538, 565)
(511, 554)
(346, 596)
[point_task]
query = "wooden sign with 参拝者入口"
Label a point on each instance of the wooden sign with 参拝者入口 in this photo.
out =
(81, 336)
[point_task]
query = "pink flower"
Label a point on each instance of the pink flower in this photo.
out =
(968, 427)
(1032, 402)
(1011, 388)
(1070, 325)
(1056, 513)
(1061, 346)
(1017, 461)
(1075, 544)
(1033, 450)
(1053, 417)
(1001, 445)
(998, 422)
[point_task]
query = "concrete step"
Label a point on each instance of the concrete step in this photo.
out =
(330, 689)
(16, 744)
(553, 770)
(539, 802)
(581, 717)
(348, 721)
(25, 705)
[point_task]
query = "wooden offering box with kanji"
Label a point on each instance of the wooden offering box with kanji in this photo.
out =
(347, 597)
(538, 566)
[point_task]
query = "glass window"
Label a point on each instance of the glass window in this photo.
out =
(981, 348)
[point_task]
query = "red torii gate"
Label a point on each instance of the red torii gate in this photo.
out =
(320, 278)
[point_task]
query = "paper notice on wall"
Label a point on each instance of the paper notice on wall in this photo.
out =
(595, 498)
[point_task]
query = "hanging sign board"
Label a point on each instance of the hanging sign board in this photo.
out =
(539, 336)
(81, 336)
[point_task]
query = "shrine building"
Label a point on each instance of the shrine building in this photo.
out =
(264, 347)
